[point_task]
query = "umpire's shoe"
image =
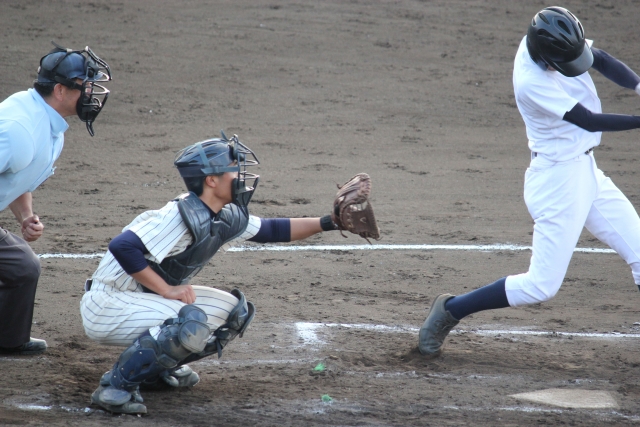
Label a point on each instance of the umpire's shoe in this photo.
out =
(33, 347)
(436, 327)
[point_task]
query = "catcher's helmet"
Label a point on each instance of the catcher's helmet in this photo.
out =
(65, 66)
(556, 39)
(215, 157)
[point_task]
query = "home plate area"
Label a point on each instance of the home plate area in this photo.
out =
(312, 373)
(383, 357)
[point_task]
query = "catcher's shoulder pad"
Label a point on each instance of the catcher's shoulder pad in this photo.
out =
(352, 209)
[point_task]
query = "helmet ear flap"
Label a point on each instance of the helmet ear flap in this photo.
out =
(535, 56)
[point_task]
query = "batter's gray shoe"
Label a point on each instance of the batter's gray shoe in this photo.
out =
(436, 327)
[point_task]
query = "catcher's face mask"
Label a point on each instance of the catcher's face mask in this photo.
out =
(218, 156)
(65, 66)
(242, 192)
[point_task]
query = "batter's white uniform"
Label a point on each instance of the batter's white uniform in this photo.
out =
(116, 310)
(564, 190)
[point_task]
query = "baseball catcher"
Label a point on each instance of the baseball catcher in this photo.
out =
(141, 296)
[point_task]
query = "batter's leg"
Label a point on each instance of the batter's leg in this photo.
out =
(614, 221)
(559, 196)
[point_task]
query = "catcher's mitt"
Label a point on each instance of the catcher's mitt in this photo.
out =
(352, 210)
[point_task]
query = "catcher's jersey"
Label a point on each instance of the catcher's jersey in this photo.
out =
(164, 234)
(543, 98)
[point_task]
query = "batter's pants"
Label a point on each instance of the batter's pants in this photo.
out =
(563, 198)
(19, 274)
(114, 317)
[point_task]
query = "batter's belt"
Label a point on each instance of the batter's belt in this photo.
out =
(534, 154)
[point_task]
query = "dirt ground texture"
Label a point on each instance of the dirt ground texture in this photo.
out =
(416, 93)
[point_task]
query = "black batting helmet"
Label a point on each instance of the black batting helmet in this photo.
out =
(556, 39)
(64, 66)
(215, 157)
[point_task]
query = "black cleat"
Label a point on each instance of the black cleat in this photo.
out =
(33, 347)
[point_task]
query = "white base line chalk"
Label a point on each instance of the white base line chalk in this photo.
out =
(308, 332)
(480, 248)
(273, 248)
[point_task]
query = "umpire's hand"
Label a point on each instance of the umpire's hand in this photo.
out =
(32, 228)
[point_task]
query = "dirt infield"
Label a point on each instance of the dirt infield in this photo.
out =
(416, 93)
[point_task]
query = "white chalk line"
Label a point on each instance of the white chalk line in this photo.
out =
(481, 248)
(337, 403)
(241, 363)
(76, 256)
(308, 332)
(33, 407)
(345, 248)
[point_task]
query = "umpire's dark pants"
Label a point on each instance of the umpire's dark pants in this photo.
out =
(19, 273)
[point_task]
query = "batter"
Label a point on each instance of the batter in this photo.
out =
(564, 190)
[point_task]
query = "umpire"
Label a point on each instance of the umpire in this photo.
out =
(32, 127)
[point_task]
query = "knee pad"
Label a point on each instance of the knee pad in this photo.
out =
(237, 323)
(191, 330)
(147, 358)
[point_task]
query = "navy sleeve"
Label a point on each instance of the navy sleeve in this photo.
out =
(128, 250)
(273, 230)
(614, 69)
(595, 122)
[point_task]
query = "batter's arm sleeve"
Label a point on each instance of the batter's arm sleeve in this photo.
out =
(614, 69)
(129, 251)
(598, 122)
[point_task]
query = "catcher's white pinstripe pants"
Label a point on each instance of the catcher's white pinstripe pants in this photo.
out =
(117, 318)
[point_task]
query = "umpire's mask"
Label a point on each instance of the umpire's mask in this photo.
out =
(64, 66)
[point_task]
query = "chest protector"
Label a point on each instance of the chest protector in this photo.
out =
(209, 234)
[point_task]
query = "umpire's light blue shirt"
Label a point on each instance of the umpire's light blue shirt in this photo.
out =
(31, 139)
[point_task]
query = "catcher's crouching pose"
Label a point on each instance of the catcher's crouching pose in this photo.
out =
(140, 296)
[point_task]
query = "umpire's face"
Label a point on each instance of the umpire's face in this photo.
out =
(68, 99)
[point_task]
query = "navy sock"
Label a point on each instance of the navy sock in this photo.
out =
(485, 298)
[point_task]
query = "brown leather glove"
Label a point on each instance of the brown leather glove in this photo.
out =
(352, 210)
